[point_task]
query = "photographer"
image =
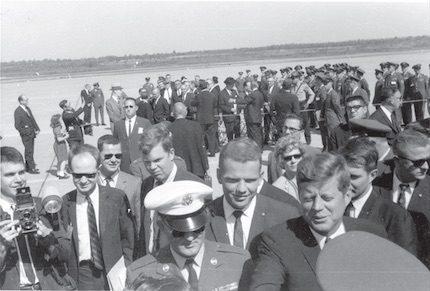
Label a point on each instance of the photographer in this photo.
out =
(28, 252)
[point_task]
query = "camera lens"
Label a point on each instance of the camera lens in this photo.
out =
(27, 225)
(27, 215)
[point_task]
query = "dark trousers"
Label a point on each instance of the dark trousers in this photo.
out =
(324, 134)
(418, 107)
(209, 137)
(255, 133)
(90, 278)
(28, 151)
(306, 122)
(87, 119)
(73, 143)
(232, 128)
(267, 120)
(98, 109)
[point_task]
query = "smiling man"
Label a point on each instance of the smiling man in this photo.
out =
(288, 252)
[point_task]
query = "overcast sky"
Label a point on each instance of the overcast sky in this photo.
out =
(77, 29)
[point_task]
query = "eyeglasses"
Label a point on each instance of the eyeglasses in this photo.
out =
(353, 108)
(416, 163)
(87, 175)
(129, 106)
(196, 232)
(109, 156)
(289, 158)
(285, 128)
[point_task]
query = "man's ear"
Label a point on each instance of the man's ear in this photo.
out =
(219, 175)
(373, 174)
(172, 154)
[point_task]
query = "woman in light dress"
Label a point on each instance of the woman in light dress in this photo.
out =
(60, 146)
(288, 153)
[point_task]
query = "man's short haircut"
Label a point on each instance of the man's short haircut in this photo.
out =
(106, 139)
(130, 99)
(154, 135)
(319, 168)
(356, 98)
(254, 84)
(386, 93)
(242, 150)
(360, 152)
(408, 140)
(82, 149)
(296, 117)
(11, 155)
(287, 144)
(20, 97)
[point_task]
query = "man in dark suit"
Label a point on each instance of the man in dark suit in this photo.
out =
(241, 214)
(87, 98)
(160, 106)
(378, 88)
(187, 97)
(28, 260)
(228, 104)
(187, 138)
(144, 108)
(72, 123)
(409, 186)
(205, 265)
(99, 102)
(99, 221)
(356, 90)
(386, 113)
(269, 92)
(157, 155)
(284, 103)
(361, 157)
(129, 131)
(416, 89)
(288, 252)
(28, 129)
(254, 107)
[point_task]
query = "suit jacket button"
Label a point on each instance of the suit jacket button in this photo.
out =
(166, 268)
(214, 261)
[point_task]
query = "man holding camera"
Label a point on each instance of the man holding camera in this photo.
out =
(28, 246)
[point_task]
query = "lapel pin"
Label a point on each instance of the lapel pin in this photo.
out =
(263, 214)
(420, 195)
(166, 268)
(214, 261)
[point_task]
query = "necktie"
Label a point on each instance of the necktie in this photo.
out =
(350, 210)
(402, 195)
(96, 249)
(238, 231)
(129, 127)
(192, 275)
(25, 257)
(327, 239)
(108, 182)
(27, 109)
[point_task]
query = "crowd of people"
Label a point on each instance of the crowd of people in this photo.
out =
(143, 215)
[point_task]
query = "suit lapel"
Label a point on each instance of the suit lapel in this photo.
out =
(103, 210)
(367, 207)
(420, 192)
(258, 219)
(387, 120)
(71, 209)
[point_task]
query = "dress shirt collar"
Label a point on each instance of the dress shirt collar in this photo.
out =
(23, 107)
(114, 97)
(396, 189)
(80, 198)
(114, 177)
(171, 176)
(260, 186)
(359, 202)
(133, 119)
(322, 239)
(386, 112)
(247, 211)
(180, 260)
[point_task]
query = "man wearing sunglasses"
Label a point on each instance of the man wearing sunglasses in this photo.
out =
(110, 175)
(101, 230)
(409, 185)
(203, 264)
(129, 130)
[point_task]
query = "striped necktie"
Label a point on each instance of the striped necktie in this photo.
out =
(96, 249)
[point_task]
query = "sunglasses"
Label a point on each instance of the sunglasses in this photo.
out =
(289, 158)
(353, 108)
(109, 156)
(416, 163)
(178, 234)
(87, 175)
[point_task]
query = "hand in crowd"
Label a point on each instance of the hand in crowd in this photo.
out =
(8, 230)
(42, 229)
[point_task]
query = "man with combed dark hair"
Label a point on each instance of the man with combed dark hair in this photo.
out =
(409, 185)
(26, 259)
(361, 157)
(101, 231)
(244, 210)
(157, 154)
(288, 252)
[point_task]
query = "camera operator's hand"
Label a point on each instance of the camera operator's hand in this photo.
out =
(8, 231)
(42, 230)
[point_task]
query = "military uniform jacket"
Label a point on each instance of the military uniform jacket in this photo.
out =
(73, 124)
(222, 266)
(331, 110)
(395, 81)
(98, 97)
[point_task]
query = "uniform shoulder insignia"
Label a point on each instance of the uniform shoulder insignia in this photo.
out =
(142, 262)
(225, 248)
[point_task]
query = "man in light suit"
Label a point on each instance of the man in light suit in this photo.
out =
(157, 155)
(110, 175)
(409, 185)
(114, 105)
(203, 264)
(288, 252)
(28, 129)
(129, 131)
(240, 215)
(100, 225)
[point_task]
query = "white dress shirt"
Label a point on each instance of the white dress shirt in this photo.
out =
(386, 112)
(82, 222)
(246, 219)
(127, 122)
(359, 203)
(197, 265)
(408, 192)
(168, 95)
(322, 239)
(103, 182)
